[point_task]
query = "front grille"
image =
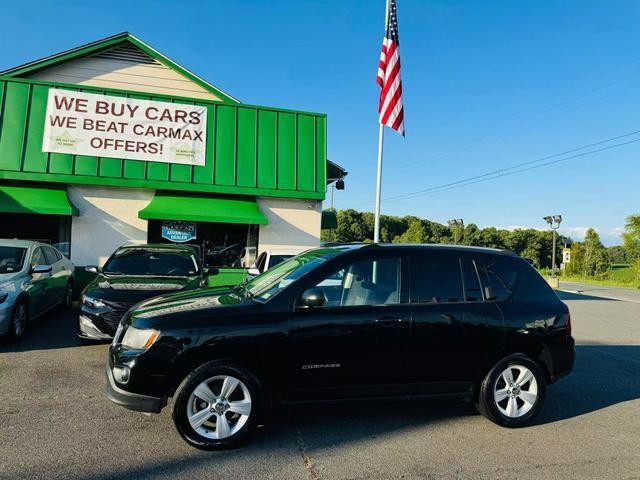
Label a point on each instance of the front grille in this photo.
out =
(112, 318)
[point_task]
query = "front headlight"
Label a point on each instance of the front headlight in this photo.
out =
(140, 338)
(92, 302)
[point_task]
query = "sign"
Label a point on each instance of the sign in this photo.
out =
(82, 123)
(179, 232)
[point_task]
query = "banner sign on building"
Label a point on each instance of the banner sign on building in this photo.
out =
(98, 125)
(179, 232)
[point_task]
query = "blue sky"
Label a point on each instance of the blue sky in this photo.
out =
(487, 85)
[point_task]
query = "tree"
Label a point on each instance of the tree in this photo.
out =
(414, 234)
(594, 256)
(631, 237)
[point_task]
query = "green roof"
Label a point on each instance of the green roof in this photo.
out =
(203, 208)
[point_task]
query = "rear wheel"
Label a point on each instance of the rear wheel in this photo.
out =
(513, 391)
(68, 295)
(19, 320)
(216, 406)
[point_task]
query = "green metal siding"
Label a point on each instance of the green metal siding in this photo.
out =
(250, 150)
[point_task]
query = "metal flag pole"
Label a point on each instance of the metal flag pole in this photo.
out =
(376, 231)
(376, 226)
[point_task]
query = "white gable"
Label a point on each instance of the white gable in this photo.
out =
(124, 67)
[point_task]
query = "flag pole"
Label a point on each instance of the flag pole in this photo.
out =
(376, 225)
(376, 228)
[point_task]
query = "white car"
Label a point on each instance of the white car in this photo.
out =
(271, 258)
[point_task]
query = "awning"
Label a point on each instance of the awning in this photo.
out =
(45, 200)
(203, 208)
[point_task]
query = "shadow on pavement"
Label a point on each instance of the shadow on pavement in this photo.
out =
(55, 329)
(604, 375)
(582, 296)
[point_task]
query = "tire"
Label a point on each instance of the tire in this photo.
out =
(197, 417)
(67, 300)
(19, 320)
(512, 404)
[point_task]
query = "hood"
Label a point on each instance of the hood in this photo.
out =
(10, 277)
(134, 289)
(203, 302)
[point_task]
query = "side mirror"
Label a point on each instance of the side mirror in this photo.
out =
(253, 271)
(312, 298)
(41, 269)
(92, 269)
(208, 271)
(488, 293)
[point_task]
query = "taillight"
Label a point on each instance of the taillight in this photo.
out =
(567, 319)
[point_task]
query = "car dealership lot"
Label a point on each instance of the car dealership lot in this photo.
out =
(55, 422)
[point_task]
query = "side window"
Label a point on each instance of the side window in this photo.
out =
(37, 258)
(365, 282)
(498, 278)
(436, 279)
(472, 291)
(50, 255)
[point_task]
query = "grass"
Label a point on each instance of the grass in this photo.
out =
(618, 276)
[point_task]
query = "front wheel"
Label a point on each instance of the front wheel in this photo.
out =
(216, 406)
(513, 391)
(68, 295)
(19, 320)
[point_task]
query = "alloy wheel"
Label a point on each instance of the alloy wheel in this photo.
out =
(219, 407)
(68, 296)
(515, 391)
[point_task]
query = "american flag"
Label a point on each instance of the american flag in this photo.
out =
(390, 107)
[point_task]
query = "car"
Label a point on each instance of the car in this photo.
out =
(346, 322)
(271, 258)
(131, 274)
(34, 278)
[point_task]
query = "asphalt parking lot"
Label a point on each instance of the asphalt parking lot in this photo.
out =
(55, 423)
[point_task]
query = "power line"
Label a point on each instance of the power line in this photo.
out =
(518, 167)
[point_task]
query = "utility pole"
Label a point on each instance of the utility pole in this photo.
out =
(554, 222)
(456, 225)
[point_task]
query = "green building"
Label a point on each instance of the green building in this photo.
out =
(113, 143)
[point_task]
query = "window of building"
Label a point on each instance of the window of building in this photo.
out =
(222, 245)
(365, 282)
(436, 280)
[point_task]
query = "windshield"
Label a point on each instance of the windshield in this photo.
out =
(138, 261)
(269, 283)
(11, 259)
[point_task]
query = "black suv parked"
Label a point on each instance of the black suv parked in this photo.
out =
(132, 274)
(349, 321)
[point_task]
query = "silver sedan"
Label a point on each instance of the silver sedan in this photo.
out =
(34, 278)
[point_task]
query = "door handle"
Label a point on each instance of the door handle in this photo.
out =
(388, 320)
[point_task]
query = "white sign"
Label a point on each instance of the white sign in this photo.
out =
(104, 126)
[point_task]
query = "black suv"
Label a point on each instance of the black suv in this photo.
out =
(131, 274)
(351, 321)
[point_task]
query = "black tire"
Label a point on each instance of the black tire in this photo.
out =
(67, 300)
(491, 409)
(182, 403)
(19, 320)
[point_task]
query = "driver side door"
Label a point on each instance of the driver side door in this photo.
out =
(355, 345)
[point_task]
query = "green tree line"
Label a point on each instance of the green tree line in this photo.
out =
(589, 258)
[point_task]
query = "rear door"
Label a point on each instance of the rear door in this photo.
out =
(39, 300)
(356, 344)
(437, 303)
(58, 278)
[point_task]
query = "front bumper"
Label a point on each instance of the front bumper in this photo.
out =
(132, 401)
(88, 329)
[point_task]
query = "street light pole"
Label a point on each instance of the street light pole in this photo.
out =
(554, 222)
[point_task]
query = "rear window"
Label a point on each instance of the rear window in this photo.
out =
(498, 277)
(436, 280)
(531, 287)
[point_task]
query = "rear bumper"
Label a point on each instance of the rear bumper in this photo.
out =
(132, 401)
(563, 358)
